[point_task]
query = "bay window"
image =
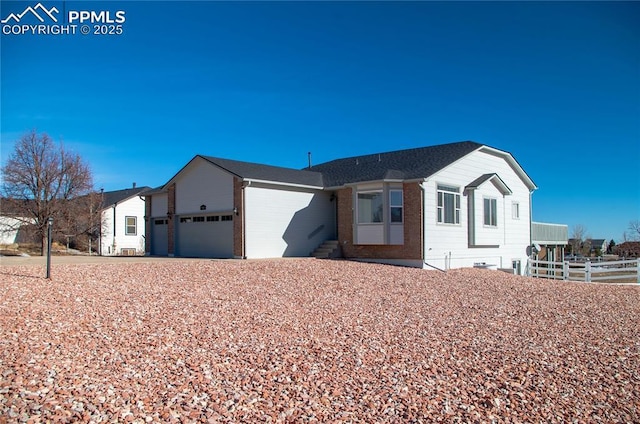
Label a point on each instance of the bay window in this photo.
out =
(369, 207)
(395, 205)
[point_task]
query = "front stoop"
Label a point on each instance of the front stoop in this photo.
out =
(328, 250)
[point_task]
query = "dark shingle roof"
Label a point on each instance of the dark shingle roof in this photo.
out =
(406, 164)
(259, 171)
(112, 197)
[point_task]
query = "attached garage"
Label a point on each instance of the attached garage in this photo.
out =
(159, 236)
(222, 208)
(204, 236)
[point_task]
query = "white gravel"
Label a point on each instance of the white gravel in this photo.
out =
(312, 341)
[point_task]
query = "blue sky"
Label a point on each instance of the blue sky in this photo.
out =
(557, 84)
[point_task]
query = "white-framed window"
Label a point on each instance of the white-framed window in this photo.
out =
(395, 206)
(369, 207)
(515, 210)
(448, 204)
(490, 212)
(130, 227)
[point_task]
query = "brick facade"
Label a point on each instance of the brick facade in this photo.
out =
(147, 224)
(171, 212)
(413, 228)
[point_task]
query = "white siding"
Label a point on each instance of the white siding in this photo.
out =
(9, 228)
(447, 245)
(282, 222)
(159, 205)
(202, 183)
(487, 234)
(114, 237)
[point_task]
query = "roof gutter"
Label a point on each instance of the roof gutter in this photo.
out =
(253, 180)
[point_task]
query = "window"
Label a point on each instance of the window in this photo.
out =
(491, 212)
(515, 210)
(369, 207)
(226, 218)
(130, 225)
(160, 222)
(198, 219)
(213, 218)
(448, 204)
(395, 205)
(185, 219)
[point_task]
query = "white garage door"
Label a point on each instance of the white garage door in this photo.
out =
(208, 236)
(159, 237)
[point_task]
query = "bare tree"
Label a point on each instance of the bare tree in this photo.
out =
(633, 232)
(82, 220)
(578, 234)
(41, 178)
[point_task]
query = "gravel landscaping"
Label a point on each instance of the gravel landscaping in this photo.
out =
(308, 340)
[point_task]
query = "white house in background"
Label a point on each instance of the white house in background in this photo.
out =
(10, 227)
(447, 206)
(123, 225)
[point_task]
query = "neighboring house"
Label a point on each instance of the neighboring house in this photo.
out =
(123, 222)
(549, 241)
(588, 247)
(11, 228)
(597, 247)
(447, 206)
(14, 227)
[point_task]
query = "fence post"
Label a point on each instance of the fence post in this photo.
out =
(565, 270)
(587, 271)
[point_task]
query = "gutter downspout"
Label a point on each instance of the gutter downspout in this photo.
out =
(423, 191)
(530, 230)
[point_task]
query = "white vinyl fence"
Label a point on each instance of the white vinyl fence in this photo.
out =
(625, 271)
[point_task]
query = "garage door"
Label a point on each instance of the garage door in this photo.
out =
(205, 236)
(159, 237)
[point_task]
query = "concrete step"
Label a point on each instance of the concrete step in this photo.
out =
(328, 249)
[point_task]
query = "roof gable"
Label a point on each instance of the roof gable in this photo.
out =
(494, 178)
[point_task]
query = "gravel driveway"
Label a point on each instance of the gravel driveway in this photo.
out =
(312, 341)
